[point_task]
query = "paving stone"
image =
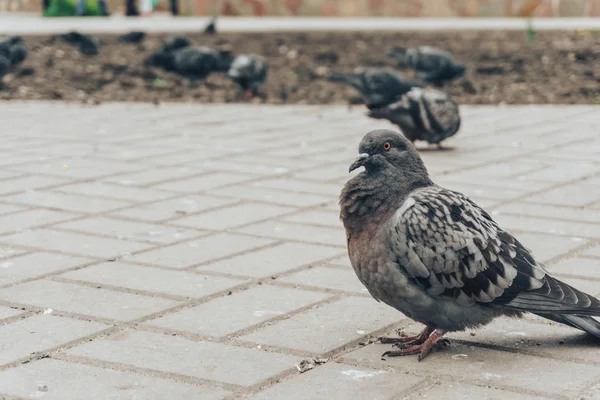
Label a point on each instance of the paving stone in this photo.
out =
(458, 391)
(315, 217)
(545, 247)
(75, 243)
(129, 230)
(35, 264)
(272, 260)
(181, 356)
(9, 208)
(233, 216)
(29, 183)
(571, 195)
(6, 252)
(285, 230)
(488, 367)
(153, 176)
(7, 312)
(328, 327)
(119, 192)
(84, 300)
(244, 168)
(551, 226)
(584, 267)
(40, 332)
(327, 278)
(66, 202)
(199, 251)
(338, 381)
(204, 182)
(135, 277)
(564, 172)
(548, 211)
(269, 195)
(594, 251)
(167, 209)
(77, 167)
(31, 218)
(60, 380)
(296, 185)
(226, 315)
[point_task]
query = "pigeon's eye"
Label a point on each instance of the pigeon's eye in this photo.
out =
(387, 146)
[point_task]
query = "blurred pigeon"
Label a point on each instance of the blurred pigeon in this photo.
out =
(133, 37)
(422, 114)
(211, 27)
(176, 42)
(14, 50)
(4, 66)
(250, 72)
(379, 86)
(87, 44)
(193, 62)
(437, 257)
(432, 64)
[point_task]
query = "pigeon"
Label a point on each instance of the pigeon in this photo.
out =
(175, 42)
(14, 49)
(436, 256)
(87, 44)
(133, 37)
(433, 65)
(250, 72)
(4, 66)
(211, 27)
(422, 114)
(193, 62)
(378, 86)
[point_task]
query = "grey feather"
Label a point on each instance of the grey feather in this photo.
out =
(422, 114)
(249, 71)
(438, 257)
(378, 86)
(432, 64)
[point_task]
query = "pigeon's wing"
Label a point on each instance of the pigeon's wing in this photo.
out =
(436, 113)
(452, 248)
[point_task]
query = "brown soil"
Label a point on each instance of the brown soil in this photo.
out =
(503, 67)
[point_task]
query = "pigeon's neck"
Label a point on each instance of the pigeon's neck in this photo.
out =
(366, 201)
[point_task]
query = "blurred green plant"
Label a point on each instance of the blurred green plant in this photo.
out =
(159, 83)
(597, 101)
(66, 8)
(530, 31)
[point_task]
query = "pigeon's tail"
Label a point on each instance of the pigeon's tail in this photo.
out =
(583, 322)
(378, 112)
(399, 53)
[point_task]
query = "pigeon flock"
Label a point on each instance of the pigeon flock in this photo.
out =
(420, 112)
(436, 256)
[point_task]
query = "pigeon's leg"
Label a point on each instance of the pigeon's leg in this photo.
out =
(409, 340)
(422, 349)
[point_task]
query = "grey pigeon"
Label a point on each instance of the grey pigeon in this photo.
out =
(133, 37)
(87, 44)
(434, 255)
(14, 49)
(378, 86)
(4, 66)
(432, 64)
(250, 72)
(193, 62)
(211, 27)
(175, 42)
(422, 114)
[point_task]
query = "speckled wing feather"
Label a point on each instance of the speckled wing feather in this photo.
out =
(452, 248)
(437, 113)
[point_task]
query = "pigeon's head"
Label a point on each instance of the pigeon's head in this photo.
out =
(386, 150)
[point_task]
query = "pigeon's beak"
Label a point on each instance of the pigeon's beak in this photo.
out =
(359, 162)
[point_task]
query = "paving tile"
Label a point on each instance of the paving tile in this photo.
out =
(75, 243)
(584, 267)
(129, 230)
(176, 283)
(6, 252)
(35, 264)
(204, 182)
(272, 260)
(66, 202)
(31, 218)
(550, 226)
(28, 183)
(77, 168)
(284, 230)
(119, 192)
(84, 300)
(7, 312)
(594, 251)
(489, 367)
(226, 315)
(568, 172)
(327, 278)
(152, 176)
(346, 320)
(9, 208)
(230, 217)
(296, 185)
(338, 381)
(40, 332)
(199, 251)
(181, 356)
(458, 391)
(60, 380)
(286, 198)
(545, 247)
(570, 195)
(167, 209)
(548, 211)
(315, 217)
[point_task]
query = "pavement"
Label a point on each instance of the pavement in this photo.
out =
(188, 251)
(31, 24)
